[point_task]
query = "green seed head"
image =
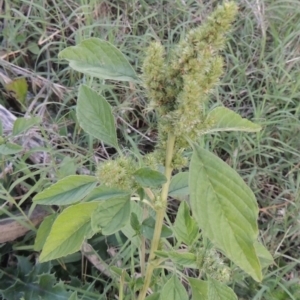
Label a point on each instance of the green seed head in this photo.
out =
(118, 173)
(179, 83)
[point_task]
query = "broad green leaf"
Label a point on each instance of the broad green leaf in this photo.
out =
(134, 222)
(173, 290)
(147, 177)
(225, 208)
(263, 254)
(43, 232)
(67, 167)
(103, 193)
(199, 289)
(100, 59)
(69, 230)
(162, 254)
(95, 116)
(185, 227)
(141, 192)
(34, 48)
(111, 215)
(147, 229)
(154, 296)
(66, 191)
(179, 186)
(48, 289)
(73, 296)
(18, 88)
(138, 284)
(27, 281)
(10, 148)
(224, 119)
(71, 258)
(128, 231)
(23, 124)
(186, 259)
(219, 291)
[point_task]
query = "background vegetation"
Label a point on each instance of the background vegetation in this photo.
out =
(261, 82)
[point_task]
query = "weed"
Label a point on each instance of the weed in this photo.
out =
(260, 82)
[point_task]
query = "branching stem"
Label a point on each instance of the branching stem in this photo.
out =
(160, 213)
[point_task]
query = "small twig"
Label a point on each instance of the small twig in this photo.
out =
(12, 229)
(33, 102)
(7, 170)
(42, 41)
(10, 54)
(89, 252)
(111, 251)
(104, 150)
(40, 81)
(293, 169)
(265, 209)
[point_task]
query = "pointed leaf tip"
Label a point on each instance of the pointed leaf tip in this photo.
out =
(225, 209)
(224, 119)
(68, 190)
(99, 58)
(95, 116)
(68, 231)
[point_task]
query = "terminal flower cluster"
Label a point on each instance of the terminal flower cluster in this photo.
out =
(179, 83)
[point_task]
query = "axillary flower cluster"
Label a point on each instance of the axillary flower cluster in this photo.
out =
(179, 83)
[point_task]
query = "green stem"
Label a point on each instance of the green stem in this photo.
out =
(143, 245)
(122, 279)
(160, 213)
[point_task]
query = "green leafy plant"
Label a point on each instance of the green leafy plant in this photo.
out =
(130, 194)
(25, 281)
